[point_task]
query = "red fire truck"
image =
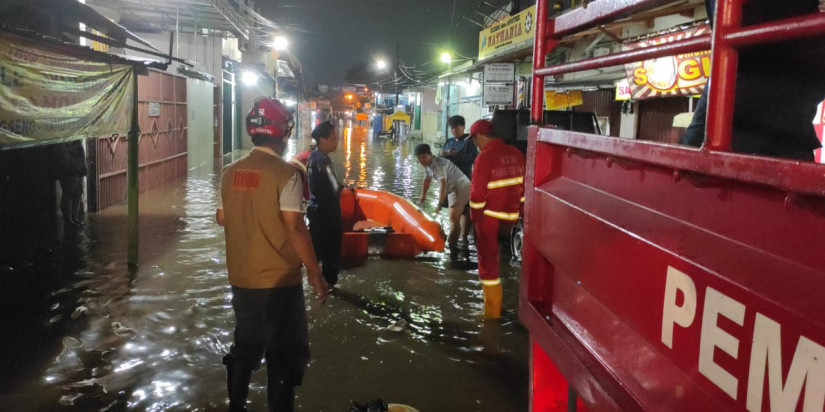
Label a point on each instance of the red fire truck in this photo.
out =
(663, 277)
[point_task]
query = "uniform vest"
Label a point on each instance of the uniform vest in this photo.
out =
(258, 254)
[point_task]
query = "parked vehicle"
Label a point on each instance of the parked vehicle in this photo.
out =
(668, 278)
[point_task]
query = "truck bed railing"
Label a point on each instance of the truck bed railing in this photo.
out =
(714, 158)
(621, 234)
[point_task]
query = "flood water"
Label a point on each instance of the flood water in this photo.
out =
(83, 333)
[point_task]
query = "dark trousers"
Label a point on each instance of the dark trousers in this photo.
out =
(272, 323)
(326, 232)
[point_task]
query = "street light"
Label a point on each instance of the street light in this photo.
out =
(381, 64)
(445, 57)
(280, 43)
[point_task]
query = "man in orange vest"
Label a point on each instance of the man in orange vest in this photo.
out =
(262, 212)
(496, 195)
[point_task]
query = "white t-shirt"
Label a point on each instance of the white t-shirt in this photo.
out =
(442, 168)
(292, 196)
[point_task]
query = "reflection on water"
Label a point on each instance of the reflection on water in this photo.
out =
(102, 338)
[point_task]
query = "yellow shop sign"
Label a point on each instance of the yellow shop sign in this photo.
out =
(509, 34)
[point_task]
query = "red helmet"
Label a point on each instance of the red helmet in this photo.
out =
(269, 117)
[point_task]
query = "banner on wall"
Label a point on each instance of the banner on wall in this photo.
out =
(554, 100)
(683, 74)
(512, 33)
(48, 95)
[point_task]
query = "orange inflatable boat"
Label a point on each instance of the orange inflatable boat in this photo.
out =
(377, 222)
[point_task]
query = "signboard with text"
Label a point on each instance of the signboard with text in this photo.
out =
(623, 90)
(683, 74)
(512, 33)
(499, 72)
(554, 100)
(498, 94)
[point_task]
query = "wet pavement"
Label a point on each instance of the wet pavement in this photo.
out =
(83, 333)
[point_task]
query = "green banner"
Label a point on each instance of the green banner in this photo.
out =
(49, 95)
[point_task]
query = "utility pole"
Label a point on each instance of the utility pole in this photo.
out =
(397, 68)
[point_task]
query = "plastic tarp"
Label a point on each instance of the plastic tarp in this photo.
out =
(49, 95)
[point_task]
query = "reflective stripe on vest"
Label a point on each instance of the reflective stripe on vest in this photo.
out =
(522, 199)
(505, 182)
(502, 215)
(477, 205)
(491, 282)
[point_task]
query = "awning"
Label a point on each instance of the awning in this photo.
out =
(65, 16)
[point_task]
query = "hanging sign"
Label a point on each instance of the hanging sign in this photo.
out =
(554, 100)
(623, 90)
(50, 96)
(498, 94)
(499, 72)
(683, 74)
(511, 33)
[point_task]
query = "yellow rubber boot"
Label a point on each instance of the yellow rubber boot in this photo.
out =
(492, 301)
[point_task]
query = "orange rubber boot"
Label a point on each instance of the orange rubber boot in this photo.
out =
(492, 301)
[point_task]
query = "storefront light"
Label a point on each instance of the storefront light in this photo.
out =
(249, 78)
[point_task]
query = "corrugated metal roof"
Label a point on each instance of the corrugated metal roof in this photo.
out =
(166, 15)
(58, 17)
(86, 52)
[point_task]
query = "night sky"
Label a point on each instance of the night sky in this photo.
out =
(330, 36)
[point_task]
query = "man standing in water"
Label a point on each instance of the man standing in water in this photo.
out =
(452, 182)
(495, 200)
(324, 211)
(266, 242)
(461, 151)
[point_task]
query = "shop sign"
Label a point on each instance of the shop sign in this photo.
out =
(512, 33)
(499, 72)
(555, 100)
(623, 90)
(683, 74)
(498, 94)
(54, 97)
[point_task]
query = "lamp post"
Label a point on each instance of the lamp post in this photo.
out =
(395, 73)
(380, 66)
(446, 57)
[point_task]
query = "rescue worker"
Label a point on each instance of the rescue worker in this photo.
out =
(496, 196)
(300, 161)
(324, 210)
(262, 214)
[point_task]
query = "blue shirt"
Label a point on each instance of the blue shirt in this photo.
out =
(466, 152)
